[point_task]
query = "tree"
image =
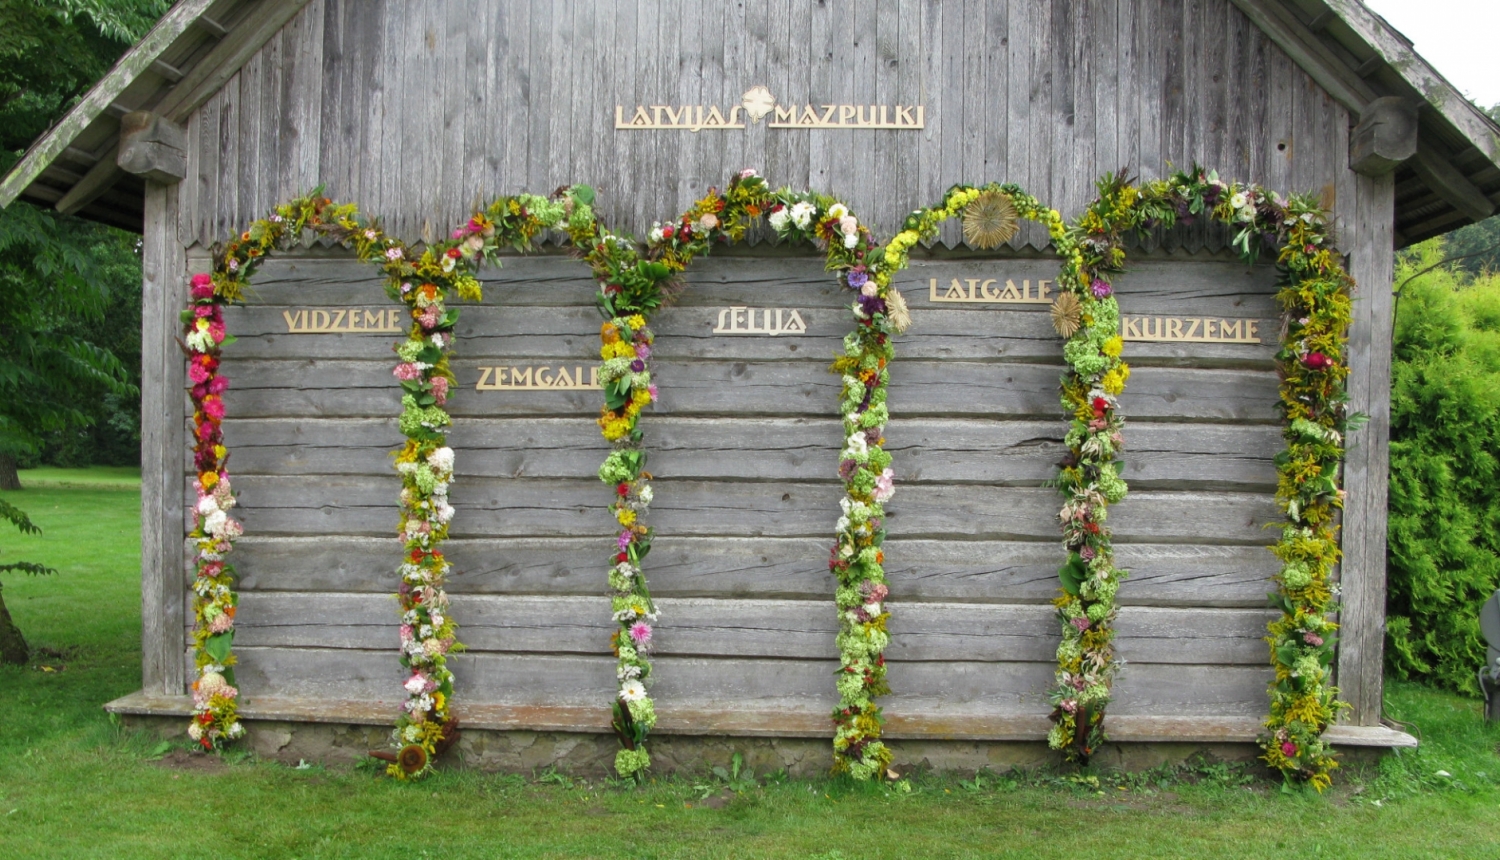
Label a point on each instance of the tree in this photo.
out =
(13, 648)
(57, 273)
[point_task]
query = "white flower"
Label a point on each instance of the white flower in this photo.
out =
(872, 609)
(1238, 201)
(235, 729)
(870, 288)
(848, 225)
(646, 494)
(842, 525)
(441, 460)
(437, 619)
(444, 514)
(838, 210)
(632, 691)
(656, 235)
(207, 505)
(778, 220)
(857, 448)
(859, 312)
(195, 731)
(1247, 214)
(851, 239)
(416, 684)
(802, 214)
(215, 523)
(437, 341)
(628, 672)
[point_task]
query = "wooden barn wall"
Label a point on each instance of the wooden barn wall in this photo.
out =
(744, 452)
(415, 108)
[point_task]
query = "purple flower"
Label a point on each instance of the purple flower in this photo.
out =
(637, 366)
(1081, 624)
(625, 539)
(642, 351)
(871, 305)
(858, 277)
(846, 469)
(1101, 288)
(1087, 553)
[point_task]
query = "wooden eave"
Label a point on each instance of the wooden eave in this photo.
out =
(1351, 52)
(1357, 57)
(186, 58)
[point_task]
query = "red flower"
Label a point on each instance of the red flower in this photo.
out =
(623, 488)
(454, 253)
(1100, 405)
(1317, 361)
(666, 232)
(622, 557)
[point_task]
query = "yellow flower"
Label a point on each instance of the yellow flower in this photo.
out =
(626, 517)
(637, 322)
(220, 451)
(1113, 347)
(208, 480)
(1114, 381)
(640, 397)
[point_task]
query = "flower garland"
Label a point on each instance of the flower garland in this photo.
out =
(422, 281)
(1314, 296)
(1087, 315)
(215, 711)
(634, 284)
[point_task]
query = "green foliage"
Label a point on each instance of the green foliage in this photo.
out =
(69, 289)
(1444, 533)
(18, 518)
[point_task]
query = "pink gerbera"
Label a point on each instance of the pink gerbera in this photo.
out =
(640, 633)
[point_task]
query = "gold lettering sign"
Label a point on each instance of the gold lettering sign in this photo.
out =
(539, 377)
(771, 321)
(991, 291)
(757, 103)
(342, 320)
(1189, 329)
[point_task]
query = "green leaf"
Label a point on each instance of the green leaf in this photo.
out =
(584, 194)
(218, 645)
(1073, 573)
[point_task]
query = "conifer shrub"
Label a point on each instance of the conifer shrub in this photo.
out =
(1444, 532)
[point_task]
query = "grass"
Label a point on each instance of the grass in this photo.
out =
(72, 784)
(94, 477)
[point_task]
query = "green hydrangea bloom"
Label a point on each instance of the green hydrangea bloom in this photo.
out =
(629, 762)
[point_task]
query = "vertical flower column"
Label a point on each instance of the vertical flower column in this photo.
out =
(215, 711)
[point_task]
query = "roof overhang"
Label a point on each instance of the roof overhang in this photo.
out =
(186, 58)
(1452, 180)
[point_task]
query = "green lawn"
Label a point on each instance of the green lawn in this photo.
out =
(73, 785)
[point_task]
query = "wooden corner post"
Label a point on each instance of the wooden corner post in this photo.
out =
(163, 382)
(1367, 467)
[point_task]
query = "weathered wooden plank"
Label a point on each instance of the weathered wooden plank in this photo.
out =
(501, 507)
(1158, 455)
(335, 388)
(930, 688)
(1367, 464)
(919, 570)
(722, 627)
(163, 268)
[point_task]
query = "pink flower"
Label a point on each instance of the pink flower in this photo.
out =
(1100, 288)
(406, 371)
(213, 407)
(459, 233)
(440, 389)
(885, 486)
(640, 633)
(625, 539)
(220, 624)
(406, 631)
(1069, 705)
(218, 384)
(1087, 553)
(393, 254)
(652, 389)
(203, 286)
(642, 351)
(203, 310)
(1317, 361)
(430, 317)
(873, 592)
(1312, 638)
(216, 331)
(1080, 623)
(1288, 749)
(197, 372)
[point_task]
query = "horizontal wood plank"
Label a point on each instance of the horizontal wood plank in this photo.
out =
(954, 450)
(933, 689)
(502, 507)
(788, 568)
(340, 388)
(714, 627)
